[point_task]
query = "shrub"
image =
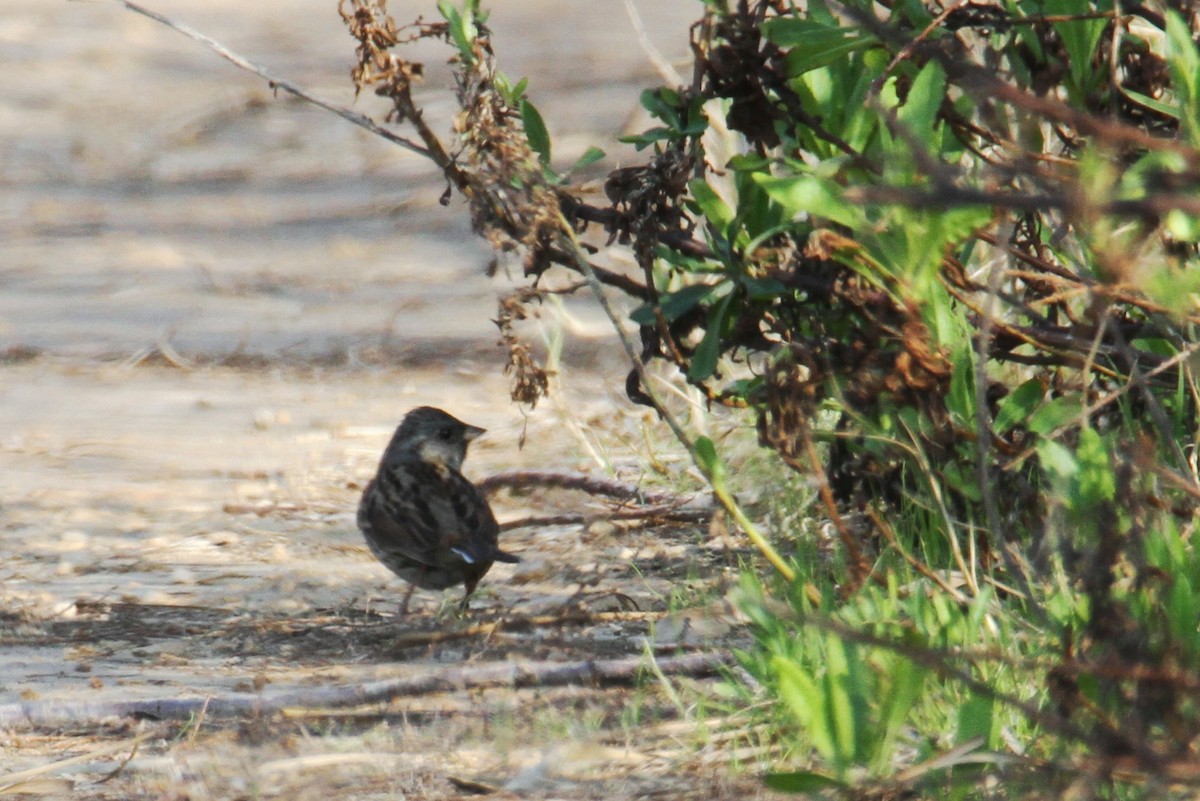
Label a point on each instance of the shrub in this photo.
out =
(946, 256)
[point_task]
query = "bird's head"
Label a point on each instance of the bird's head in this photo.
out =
(432, 436)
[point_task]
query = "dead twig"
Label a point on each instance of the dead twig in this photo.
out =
(660, 504)
(567, 479)
(23, 781)
(674, 514)
(516, 675)
(907, 50)
(665, 71)
(276, 83)
(576, 617)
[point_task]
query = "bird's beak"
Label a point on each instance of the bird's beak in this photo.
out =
(472, 432)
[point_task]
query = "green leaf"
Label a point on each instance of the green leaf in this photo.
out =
(1095, 481)
(975, 718)
(907, 680)
(712, 206)
(801, 32)
(589, 157)
(1182, 55)
(462, 28)
(704, 360)
(1183, 609)
(813, 44)
(1019, 404)
(843, 696)
(1184, 60)
(674, 305)
(648, 137)
(924, 100)
(808, 194)
(801, 782)
(1057, 460)
(1055, 413)
(1151, 103)
(1080, 38)
(662, 103)
(806, 702)
(764, 288)
(535, 131)
(710, 462)
(1184, 227)
(744, 387)
(685, 262)
(961, 478)
(946, 328)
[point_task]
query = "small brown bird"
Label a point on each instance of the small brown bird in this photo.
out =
(426, 522)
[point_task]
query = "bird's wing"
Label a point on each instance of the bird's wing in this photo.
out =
(429, 514)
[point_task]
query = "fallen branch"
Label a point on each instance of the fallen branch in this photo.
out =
(675, 514)
(514, 675)
(421, 639)
(660, 504)
(584, 482)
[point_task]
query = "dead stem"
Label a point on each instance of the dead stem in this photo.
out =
(275, 82)
(516, 675)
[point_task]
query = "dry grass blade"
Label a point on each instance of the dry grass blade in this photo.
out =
(30, 780)
(322, 762)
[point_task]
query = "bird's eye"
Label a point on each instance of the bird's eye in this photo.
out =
(445, 434)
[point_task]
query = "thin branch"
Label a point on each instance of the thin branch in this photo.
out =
(985, 437)
(907, 50)
(660, 505)
(953, 196)
(885, 528)
(568, 479)
(571, 242)
(979, 80)
(675, 514)
(665, 71)
(860, 568)
(275, 82)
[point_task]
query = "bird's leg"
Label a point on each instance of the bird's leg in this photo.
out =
(408, 595)
(403, 611)
(463, 605)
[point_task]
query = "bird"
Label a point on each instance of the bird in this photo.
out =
(421, 517)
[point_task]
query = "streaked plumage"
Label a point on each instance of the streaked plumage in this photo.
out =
(426, 522)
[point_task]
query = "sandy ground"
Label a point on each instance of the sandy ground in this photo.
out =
(183, 527)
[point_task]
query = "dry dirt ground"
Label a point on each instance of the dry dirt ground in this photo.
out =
(214, 307)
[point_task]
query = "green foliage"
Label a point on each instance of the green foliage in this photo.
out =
(535, 130)
(954, 259)
(462, 26)
(857, 689)
(969, 259)
(681, 118)
(1184, 62)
